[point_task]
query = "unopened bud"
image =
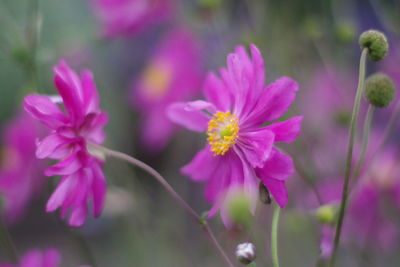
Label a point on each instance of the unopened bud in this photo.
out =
(376, 43)
(239, 209)
(246, 253)
(326, 214)
(345, 32)
(379, 90)
(265, 197)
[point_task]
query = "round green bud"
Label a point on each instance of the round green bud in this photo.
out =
(345, 32)
(326, 214)
(239, 209)
(246, 253)
(379, 90)
(376, 43)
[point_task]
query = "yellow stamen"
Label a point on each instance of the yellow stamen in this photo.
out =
(222, 132)
(157, 78)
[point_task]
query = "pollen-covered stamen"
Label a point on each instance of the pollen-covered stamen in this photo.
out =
(222, 132)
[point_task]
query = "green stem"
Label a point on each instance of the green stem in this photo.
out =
(353, 124)
(274, 237)
(7, 243)
(135, 162)
(364, 147)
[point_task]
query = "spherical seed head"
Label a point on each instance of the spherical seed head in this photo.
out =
(379, 90)
(246, 253)
(326, 214)
(376, 43)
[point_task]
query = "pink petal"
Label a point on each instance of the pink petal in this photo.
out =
(48, 145)
(277, 189)
(286, 131)
(91, 98)
(65, 167)
(256, 145)
(78, 216)
(59, 195)
(202, 165)
(43, 109)
(188, 116)
(99, 189)
(51, 258)
(279, 166)
(217, 93)
(273, 102)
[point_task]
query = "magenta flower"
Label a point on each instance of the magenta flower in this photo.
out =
(240, 150)
(20, 172)
(36, 258)
(124, 17)
(172, 74)
(82, 123)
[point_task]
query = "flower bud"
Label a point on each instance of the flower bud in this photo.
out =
(376, 43)
(265, 197)
(246, 253)
(239, 209)
(379, 90)
(345, 32)
(326, 214)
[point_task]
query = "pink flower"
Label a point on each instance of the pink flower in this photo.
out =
(36, 258)
(172, 74)
(124, 17)
(82, 123)
(20, 171)
(240, 150)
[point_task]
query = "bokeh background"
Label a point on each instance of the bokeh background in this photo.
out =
(314, 42)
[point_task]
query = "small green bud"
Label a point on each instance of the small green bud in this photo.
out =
(379, 90)
(326, 214)
(345, 32)
(343, 118)
(376, 43)
(246, 253)
(239, 209)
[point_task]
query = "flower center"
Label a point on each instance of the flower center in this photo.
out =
(157, 78)
(222, 132)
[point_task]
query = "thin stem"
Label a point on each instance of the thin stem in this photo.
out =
(7, 243)
(364, 147)
(33, 39)
(274, 237)
(353, 124)
(170, 190)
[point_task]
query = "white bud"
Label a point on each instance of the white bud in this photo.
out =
(246, 253)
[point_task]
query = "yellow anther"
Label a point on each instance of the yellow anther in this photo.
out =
(222, 132)
(157, 78)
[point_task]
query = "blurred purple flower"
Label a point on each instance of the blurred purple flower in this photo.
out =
(125, 17)
(82, 123)
(20, 172)
(173, 74)
(36, 258)
(240, 151)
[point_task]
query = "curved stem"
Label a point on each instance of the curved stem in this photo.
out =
(274, 237)
(364, 147)
(7, 243)
(170, 190)
(353, 124)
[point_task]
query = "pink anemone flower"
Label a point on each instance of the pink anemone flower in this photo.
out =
(240, 149)
(70, 133)
(20, 172)
(124, 17)
(36, 258)
(172, 74)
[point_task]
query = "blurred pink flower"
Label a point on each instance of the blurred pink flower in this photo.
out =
(240, 151)
(82, 123)
(20, 171)
(172, 74)
(124, 17)
(36, 258)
